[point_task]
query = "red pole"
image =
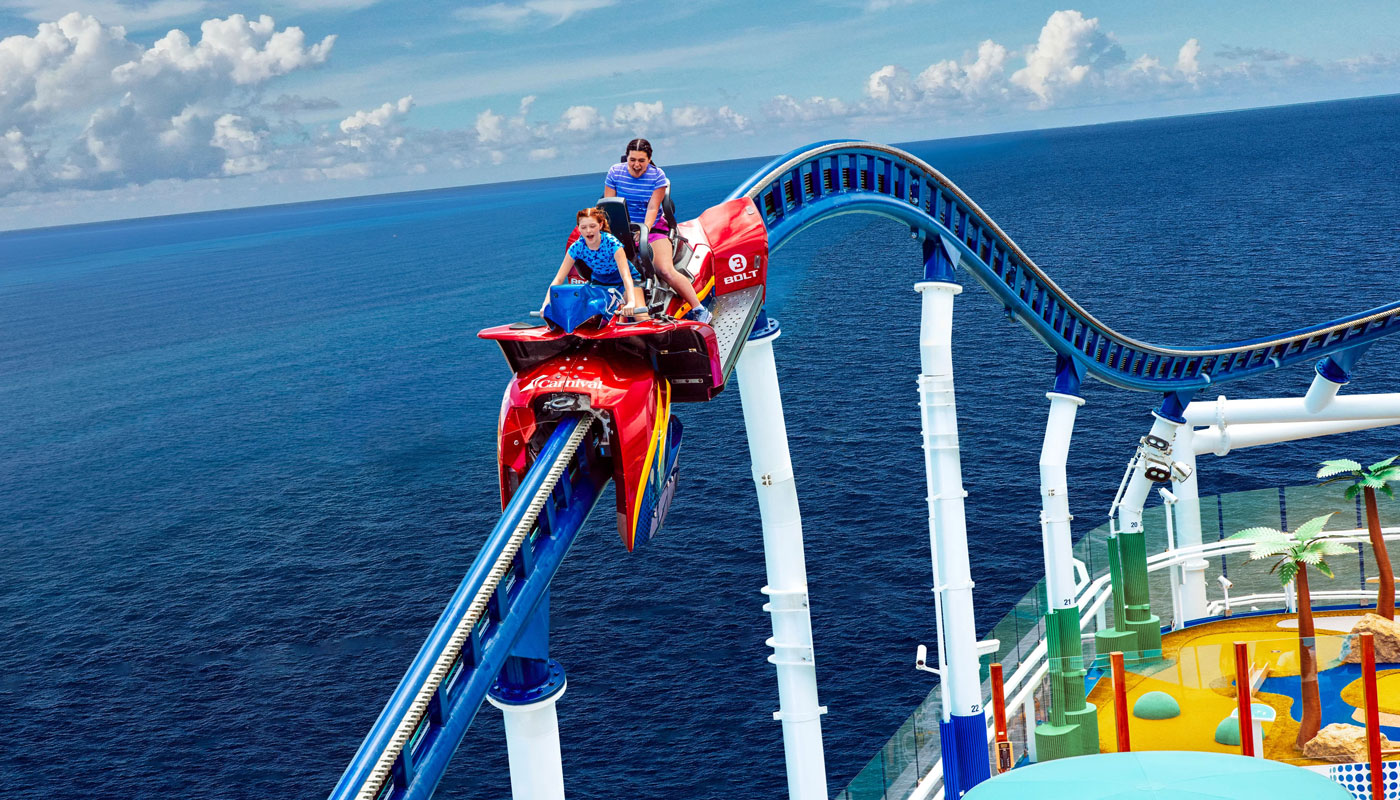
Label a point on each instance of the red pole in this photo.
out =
(1242, 691)
(1120, 702)
(1003, 740)
(1373, 716)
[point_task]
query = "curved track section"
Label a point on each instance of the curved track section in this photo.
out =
(839, 177)
(407, 750)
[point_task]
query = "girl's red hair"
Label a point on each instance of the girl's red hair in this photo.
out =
(596, 213)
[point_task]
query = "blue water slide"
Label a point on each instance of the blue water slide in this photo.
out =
(831, 178)
(492, 611)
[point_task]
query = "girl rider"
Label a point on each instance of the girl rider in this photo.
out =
(643, 185)
(603, 254)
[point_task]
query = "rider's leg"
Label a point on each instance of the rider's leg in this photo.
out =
(661, 260)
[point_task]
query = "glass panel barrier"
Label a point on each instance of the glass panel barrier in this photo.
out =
(904, 759)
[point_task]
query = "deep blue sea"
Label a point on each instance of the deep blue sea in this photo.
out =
(246, 456)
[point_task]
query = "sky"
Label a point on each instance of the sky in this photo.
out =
(112, 109)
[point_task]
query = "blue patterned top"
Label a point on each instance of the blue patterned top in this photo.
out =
(602, 261)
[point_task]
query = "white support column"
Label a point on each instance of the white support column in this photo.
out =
(957, 644)
(1188, 526)
(793, 655)
(1294, 409)
(1221, 441)
(1320, 393)
(1057, 540)
(532, 743)
(1135, 495)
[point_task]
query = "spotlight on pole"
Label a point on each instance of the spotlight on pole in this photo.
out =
(921, 661)
(1225, 586)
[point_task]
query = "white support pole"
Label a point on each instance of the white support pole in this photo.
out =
(793, 655)
(532, 743)
(1135, 495)
(1057, 540)
(1293, 409)
(1320, 393)
(1187, 511)
(1221, 441)
(961, 684)
(1173, 573)
(1028, 715)
(963, 729)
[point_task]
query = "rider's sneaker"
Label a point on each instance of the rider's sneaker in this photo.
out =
(700, 314)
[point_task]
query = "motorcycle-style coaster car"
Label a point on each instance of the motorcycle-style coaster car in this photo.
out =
(584, 358)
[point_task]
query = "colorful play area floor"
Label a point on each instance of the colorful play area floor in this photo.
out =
(1198, 667)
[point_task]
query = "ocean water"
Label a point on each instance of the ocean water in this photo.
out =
(246, 456)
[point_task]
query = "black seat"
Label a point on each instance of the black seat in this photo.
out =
(615, 208)
(668, 209)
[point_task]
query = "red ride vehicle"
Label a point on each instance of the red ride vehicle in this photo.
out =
(583, 359)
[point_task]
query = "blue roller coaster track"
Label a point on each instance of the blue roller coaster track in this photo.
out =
(501, 607)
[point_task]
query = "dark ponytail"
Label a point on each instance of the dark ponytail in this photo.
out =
(638, 144)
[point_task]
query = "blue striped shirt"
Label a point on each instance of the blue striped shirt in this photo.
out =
(637, 191)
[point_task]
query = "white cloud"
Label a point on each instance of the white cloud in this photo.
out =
(890, 84)
(489, 127)
(511, 16)
(134, 114)
(376, 130)
(784, 108)
(1187, 60)
(65, 64)
(544, 153)
(378, 117)
(242, 141)
(1073, 63)
(582, 119)
(248, 52)
(17, 162)
(982, 77)
(638, 115)
(689, 117)
(1070, 48)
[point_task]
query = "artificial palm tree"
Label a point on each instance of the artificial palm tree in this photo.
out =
(1305, 547)
(1365, 481)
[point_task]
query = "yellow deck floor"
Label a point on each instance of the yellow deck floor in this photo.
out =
(1198, 669)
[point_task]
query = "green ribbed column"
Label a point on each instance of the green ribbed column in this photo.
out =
(1118, 637)
(1073, 728)
(1137, 612)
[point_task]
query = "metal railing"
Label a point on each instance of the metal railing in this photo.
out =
(829, 178)
(909, 765)
(407, 749)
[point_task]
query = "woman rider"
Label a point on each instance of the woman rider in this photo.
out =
(604, 256)
(642, 185)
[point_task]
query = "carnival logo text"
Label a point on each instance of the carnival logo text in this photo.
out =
(564, 382)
